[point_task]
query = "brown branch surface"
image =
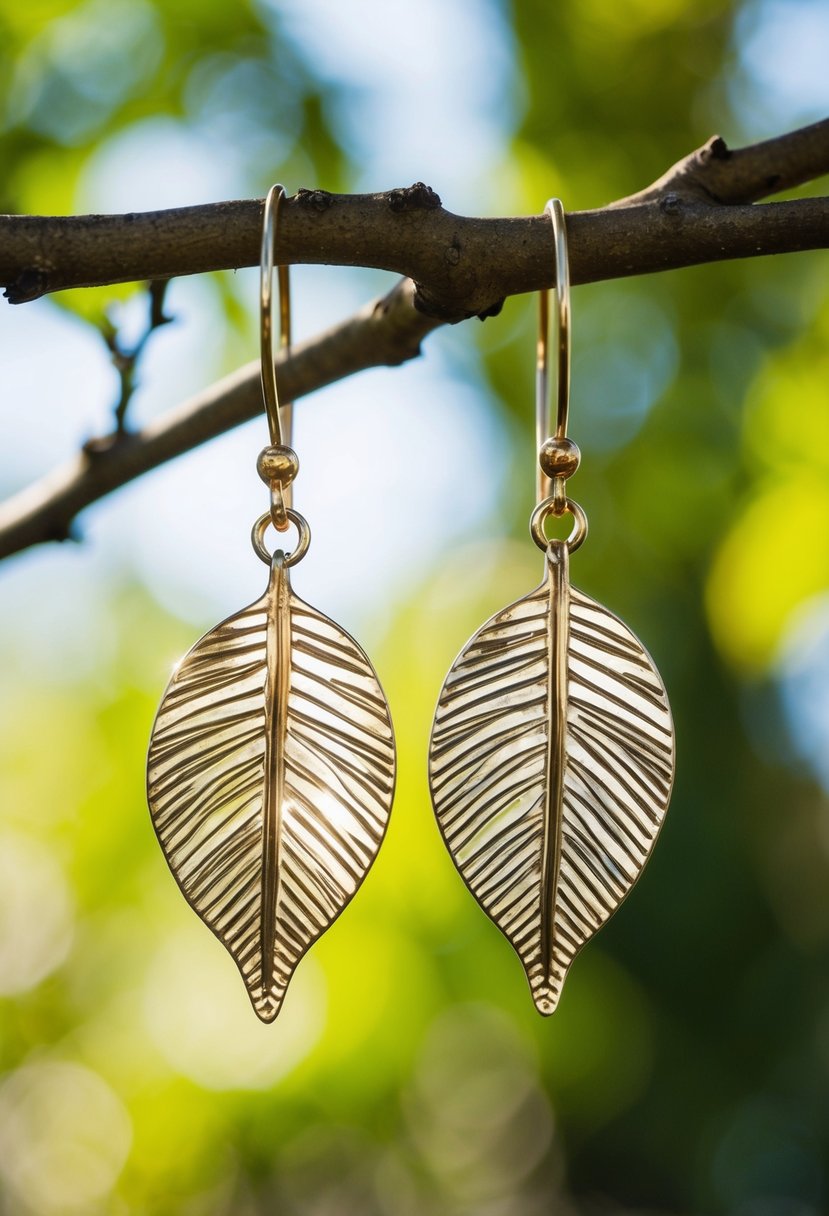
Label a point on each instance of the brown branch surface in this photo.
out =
(385, 333)
(701, 210)
(464, 266)
(717, 174)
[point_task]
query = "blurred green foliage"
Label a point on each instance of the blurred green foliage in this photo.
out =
(686, 1071)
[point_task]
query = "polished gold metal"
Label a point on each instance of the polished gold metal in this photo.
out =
(270, 780)
(547, 509)
(257, 536)
(551, 764)
(559, 457)
(550, 421)
(278, 463)
(552, 752)
(271, 768)
(279, 415)
(279, 425)
(278, 466)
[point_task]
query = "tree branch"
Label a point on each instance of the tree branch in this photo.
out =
(385, 333)
(463, 266)
(699, 211)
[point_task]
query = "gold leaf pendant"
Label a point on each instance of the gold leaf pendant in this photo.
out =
(270, 779)
(551, 764)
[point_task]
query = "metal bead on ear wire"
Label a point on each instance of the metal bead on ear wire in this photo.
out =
(271, 766)
(552, 752)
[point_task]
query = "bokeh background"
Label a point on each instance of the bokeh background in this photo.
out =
(408, 1075)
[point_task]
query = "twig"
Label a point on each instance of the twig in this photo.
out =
(385, 333)
(126, 360)
(715, 173)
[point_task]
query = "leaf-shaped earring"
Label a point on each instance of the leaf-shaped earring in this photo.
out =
(552, 752)
(271, 767)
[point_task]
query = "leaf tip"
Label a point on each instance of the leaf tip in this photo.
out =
(546, 999)
(266, 1005)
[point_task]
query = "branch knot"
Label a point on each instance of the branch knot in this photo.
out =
(317, 200)
(418, 197)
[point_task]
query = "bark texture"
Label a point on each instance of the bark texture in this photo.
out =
(703, 209)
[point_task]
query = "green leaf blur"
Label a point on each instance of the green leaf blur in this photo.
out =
(408, 1075)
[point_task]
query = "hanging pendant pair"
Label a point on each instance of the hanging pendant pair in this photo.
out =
(271, 767)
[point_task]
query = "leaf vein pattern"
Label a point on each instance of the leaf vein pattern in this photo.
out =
(487, 772)
(206, 785)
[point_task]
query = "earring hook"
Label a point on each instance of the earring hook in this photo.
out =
(550, 423)
(279, 418)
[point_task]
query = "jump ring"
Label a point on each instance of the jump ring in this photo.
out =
(261, 526)
(545, 509)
